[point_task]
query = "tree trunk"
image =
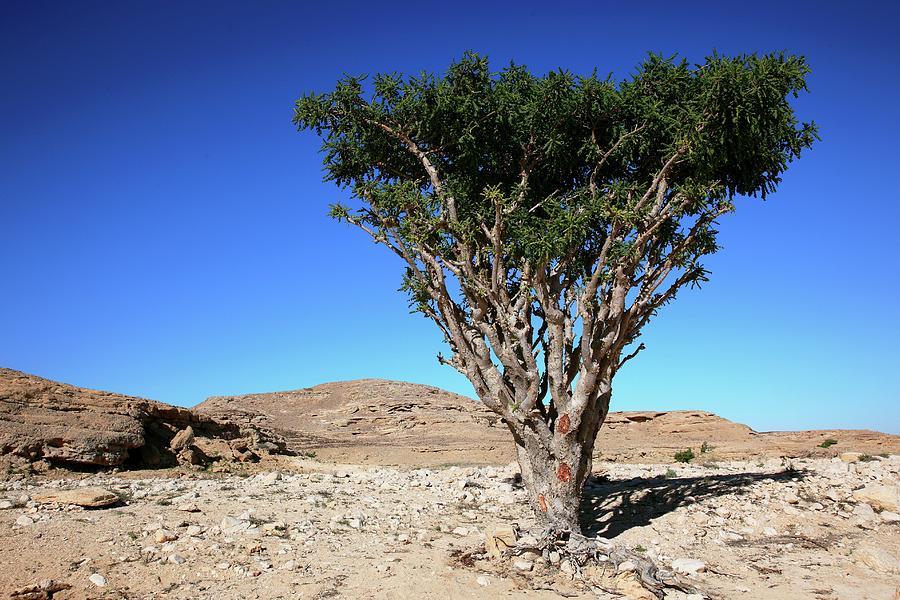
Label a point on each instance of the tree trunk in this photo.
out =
(555, 469)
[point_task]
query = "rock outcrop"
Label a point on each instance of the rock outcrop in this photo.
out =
(391, 422)
(64, 425)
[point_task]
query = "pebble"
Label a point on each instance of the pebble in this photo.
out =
(24, 521)
(482, 580)
(97, 579)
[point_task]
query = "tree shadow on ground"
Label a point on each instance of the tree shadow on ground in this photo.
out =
(610, 507)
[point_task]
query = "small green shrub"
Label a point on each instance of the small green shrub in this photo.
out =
(684, 456)
(706, 447)
(828, 443)
(867, 458)
(670, 473)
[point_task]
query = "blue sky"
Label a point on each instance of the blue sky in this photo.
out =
(164, 228)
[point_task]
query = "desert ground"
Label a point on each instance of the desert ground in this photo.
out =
(376, 489)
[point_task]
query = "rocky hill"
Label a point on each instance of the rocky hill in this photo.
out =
(374, 421)
(51, 423)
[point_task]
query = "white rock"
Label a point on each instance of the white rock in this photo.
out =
(24, 521)
(523, 565)
(878, 559)
(460, 531)
(890, 517)
(97, 579)
(176, 559)
(482, 580)
(626, 566)
(4, 504)
(688, 566)
(228, 522)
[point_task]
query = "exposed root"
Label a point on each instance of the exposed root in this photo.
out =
(575, 552)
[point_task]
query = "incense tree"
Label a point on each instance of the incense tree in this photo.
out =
(544, 220)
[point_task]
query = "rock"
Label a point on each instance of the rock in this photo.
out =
(228, 522)
(688, 566)
(164, 535)
(523, 565)
(625, 566)
(482, 580)
(97, 579)
(183, 439)
(4, 504)
(884, 497)
(791, 498)
(850, 457)
(498, 540)
(44, 421)
(890, 517)
(878, 559)
(24, 521)
(89, 497)
(44, 590)
(460, 531)
(177, 559)
(628, 585)
(270, 478)
(193, 456)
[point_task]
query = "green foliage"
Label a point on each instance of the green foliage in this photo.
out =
(730, 117)
(670, 473)
(828, 443)
(507, 183)
(684, 456)
(867, 458)
(705, 447)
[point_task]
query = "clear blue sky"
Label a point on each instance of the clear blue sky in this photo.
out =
(164, 228)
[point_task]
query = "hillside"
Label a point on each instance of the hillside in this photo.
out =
(51, 423)
(389, 422)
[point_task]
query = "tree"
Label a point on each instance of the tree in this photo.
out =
(544, 220)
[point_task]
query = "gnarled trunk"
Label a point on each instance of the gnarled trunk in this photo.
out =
(555, 468)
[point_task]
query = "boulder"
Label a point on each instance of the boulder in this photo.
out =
(88, 497)
(879, 496)
(182, 439)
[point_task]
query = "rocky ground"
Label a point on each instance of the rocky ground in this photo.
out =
(808, 528)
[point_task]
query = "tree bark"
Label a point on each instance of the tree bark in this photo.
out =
(555, 468)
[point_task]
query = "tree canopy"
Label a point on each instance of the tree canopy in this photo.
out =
(543, 220)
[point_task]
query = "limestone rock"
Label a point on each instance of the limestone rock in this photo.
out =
(88, 497)
(499, 540)
(878, 559)
(884, 497)
(44, 421)
(688, 566)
